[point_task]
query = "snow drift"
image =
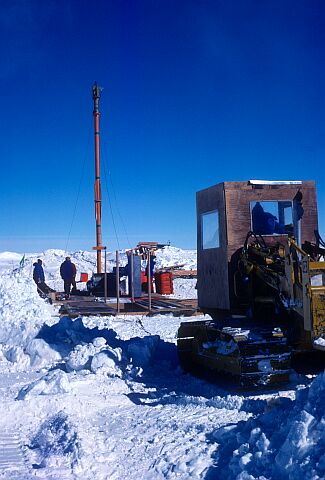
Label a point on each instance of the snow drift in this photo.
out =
(22, 311)
(287, 441)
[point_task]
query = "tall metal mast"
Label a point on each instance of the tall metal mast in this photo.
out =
(98, 201)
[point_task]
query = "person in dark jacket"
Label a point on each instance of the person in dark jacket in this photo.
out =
(68, 273)
(38, 273)
(39, 278)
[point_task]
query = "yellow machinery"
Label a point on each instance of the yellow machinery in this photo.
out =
(266, 296)
(305, 277)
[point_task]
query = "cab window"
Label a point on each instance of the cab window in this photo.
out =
(272, 217)
(210, 230)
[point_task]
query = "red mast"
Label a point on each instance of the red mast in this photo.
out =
(98, 201)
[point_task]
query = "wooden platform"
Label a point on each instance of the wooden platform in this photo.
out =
(78, 306)
(184, 273)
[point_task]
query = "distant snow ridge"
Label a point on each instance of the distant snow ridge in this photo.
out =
(9, 260)
(86, 262)
(172, 256)
(285, 442)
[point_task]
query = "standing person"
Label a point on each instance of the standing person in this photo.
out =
(68, 273)
(39, 278)
(38, 273)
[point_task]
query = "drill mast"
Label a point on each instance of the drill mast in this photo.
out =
(98, 201)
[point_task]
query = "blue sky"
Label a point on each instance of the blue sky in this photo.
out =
(195, 93)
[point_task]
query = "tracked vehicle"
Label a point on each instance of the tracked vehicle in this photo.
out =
(260, 278)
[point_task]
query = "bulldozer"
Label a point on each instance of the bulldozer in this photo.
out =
(261, 279)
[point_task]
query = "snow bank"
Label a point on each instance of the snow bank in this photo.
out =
(141, 350)
(286, 441)
(23, 314)
(184, 288)
(107, 362)
(52, 383)
(95, 356)
(75, 348)
(172, 256)
(41, 353)
(22, 311)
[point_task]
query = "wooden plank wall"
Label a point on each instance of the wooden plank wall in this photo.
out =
(238, 196)
(212, 279)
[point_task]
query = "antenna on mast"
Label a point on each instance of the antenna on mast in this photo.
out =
(98, 201)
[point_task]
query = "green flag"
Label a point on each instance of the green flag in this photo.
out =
(22, 262)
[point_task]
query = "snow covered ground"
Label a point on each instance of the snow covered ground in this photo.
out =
(105, 398)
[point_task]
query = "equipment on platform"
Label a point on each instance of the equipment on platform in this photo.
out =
(260, 277)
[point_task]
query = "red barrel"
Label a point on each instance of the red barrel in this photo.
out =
(144, 282)
(83, 277)
(164, 283)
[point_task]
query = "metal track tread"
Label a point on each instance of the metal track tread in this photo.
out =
(257, 357)
(12, 461)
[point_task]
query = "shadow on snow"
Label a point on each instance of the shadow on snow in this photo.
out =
(161, 377)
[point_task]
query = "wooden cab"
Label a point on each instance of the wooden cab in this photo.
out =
(226, 212)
